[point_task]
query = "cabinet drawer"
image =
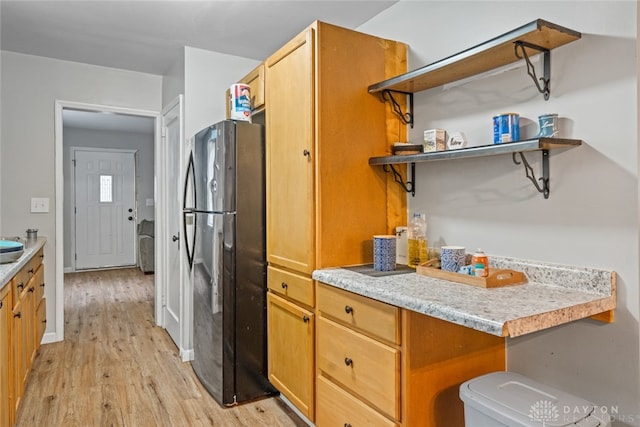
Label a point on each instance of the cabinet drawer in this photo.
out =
(336, 407)
(20, 283)
(35, 262)
(41, 321)
(39, 284)
(361, 364)
(291, 285)
(373, 317)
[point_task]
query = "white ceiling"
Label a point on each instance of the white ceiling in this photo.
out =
(147, 36)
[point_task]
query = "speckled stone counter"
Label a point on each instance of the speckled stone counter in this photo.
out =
(8, 270)
(554, 294)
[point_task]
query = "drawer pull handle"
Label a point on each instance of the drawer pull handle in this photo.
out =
(305, 318)
(348, 361)
(348, 309)
(284, 285)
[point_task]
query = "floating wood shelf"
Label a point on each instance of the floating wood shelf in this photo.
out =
(514, 148)
(481, 151)
(537, 36)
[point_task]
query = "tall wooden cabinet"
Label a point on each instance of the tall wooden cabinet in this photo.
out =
(324, 202)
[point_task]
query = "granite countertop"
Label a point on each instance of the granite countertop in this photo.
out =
(8, 270)
(554, 294)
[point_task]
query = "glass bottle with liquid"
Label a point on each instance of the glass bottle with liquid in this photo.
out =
(417, 251)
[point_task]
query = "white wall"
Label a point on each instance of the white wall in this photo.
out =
(143, 143)
(591, 217)
(30, 85)
(173, 80)
(207, 76)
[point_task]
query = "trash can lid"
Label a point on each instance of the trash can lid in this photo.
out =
(513, 397)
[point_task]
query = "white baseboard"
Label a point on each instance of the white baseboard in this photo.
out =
(186, 355)
(50, 337)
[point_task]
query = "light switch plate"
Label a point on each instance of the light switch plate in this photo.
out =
(39, 204)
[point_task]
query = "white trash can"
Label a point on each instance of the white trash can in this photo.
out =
(507, 399)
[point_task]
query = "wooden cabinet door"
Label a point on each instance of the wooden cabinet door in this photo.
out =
(255, 80)
(29, 304)
(291, 155)
(5, 329)
(290, 331)
(18, 354)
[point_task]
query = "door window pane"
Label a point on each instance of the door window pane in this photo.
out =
(106, 188)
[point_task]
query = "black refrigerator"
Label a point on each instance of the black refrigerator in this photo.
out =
(224, 202)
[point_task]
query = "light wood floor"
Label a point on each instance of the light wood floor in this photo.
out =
(116, 368)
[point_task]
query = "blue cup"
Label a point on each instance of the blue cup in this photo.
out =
(384, 252)
(452, 258)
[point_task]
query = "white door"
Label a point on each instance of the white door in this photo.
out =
(173, 300)
(105, 204)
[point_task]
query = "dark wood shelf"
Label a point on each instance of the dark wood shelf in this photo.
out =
(494, 53)
(481, 151)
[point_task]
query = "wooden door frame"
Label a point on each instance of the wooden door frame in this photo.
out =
(73, 150)
(58, 333)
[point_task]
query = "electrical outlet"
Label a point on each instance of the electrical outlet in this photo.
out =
(39, 204)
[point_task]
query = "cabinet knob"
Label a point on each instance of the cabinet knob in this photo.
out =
(348, 361)
(20, 286)
(305, 318)
(347, 425)
(44, 321)
(42, 284)
(306, 153)
(1, 304)
(284, 285)
(348, 309)
(31, 289)
(18, 315)
(31, 271)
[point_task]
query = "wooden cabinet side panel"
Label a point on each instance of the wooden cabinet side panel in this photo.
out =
(396, 64)
(290, 155)
(351, 127)
(291, 352)
(438, 356)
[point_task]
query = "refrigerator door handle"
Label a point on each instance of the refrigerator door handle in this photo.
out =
(190, 173)
(190, 250)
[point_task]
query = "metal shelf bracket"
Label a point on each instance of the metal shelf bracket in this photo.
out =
(407, 118)
(409, 186)
(528, 170)
(545, 88)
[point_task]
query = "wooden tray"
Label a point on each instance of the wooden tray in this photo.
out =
(496, 278)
